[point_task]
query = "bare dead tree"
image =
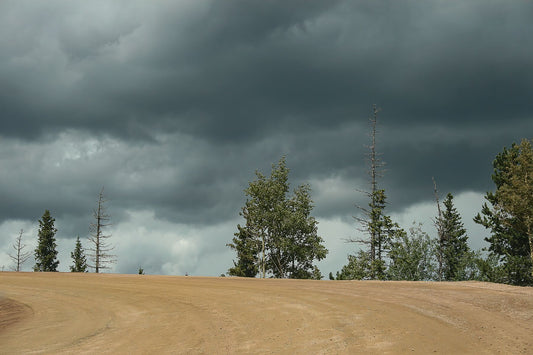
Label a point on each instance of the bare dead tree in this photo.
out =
(99, 252)
(20, 256)
(370, 221)
(376, 165)
(440, 228)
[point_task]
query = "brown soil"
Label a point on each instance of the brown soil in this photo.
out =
(12, 312)
(89, 313)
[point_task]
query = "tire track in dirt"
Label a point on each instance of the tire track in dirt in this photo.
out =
(12, 312)
(89, 313)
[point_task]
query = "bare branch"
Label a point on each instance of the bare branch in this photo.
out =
(20, 256)
(99, 257)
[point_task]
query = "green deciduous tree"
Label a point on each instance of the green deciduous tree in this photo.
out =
(294, 249)
(78, 257)
(412, 256)
(280, 235)
(508, 214)
(46, 253)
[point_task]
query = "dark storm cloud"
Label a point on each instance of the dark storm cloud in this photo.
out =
(233, 85)
(241, 69)
(65, 176)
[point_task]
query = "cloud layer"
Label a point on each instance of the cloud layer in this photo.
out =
(172, 106)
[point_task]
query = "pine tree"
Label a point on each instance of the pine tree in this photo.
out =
(358, 267)
(454, 244)
(78, 257)
(20, 256)
(247, 250)
(316, 274)
(46, 253)
(515, 196)
(508, 222)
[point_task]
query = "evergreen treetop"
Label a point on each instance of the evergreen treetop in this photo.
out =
(78, 257)
(454, 244)
(46, 253)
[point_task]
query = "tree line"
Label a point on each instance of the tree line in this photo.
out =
(279, 237)
(45, 253)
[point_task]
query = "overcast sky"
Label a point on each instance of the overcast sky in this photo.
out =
(172, 106)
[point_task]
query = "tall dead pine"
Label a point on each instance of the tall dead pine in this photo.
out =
(374, 223)
(100, 249)
(375, 171)
(440, 230)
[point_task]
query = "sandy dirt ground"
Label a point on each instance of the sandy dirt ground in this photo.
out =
(143, 314)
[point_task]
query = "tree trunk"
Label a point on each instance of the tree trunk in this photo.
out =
(373, 175)
(530, 237)
(263, 266)
(100, 253)
(98, 223)
(439, 228)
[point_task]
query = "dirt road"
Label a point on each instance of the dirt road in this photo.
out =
(89, 313)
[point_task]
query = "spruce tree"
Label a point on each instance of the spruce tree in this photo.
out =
(454, 243)
(78, 257)
(247, 250)
(358, 267)
(46, 253)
